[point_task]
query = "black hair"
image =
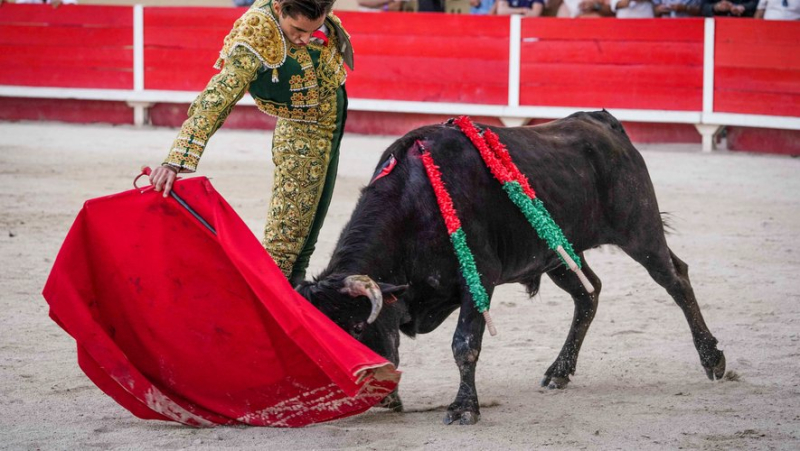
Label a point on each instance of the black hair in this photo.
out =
(312, 9)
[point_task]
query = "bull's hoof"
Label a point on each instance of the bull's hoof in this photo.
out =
(716, 372)
(463, 418)
(392, 402)
(555, 382)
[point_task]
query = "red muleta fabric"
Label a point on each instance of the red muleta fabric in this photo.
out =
(178, 324)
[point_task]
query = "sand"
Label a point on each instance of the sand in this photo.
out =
(639, 383)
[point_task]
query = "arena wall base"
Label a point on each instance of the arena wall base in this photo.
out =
(766, 140)
(709, 133)
(116, 111)
(65, 110)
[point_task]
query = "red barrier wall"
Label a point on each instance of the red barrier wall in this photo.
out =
(613, 63)
(757, 67)
(419, 57)
(429, 57)
(71, 47)
(633, 64)
(181, 45)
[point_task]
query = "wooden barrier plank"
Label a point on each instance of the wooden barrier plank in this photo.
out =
(684, 30)
(455, 26)
(737, 54)
(174, 79)
(490, 49)
(72, 77)
(612, 52)
(191, 17)
(78, 56)
(754, 102)
(602, 95)
(421, 91)
(65, 37)
(430, 46)
(187, 60)
(392, 69)
(75, 15)
(758, 79)
(615, 77)
(440, 70)
(756, 32)
(364, 87)
(185, 38)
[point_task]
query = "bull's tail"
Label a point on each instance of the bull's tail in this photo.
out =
(666, 222)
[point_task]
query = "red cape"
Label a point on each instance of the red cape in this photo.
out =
(176, 323)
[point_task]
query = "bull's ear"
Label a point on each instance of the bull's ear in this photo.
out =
(393, 290)
(311, 291)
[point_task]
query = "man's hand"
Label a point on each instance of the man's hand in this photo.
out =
(163, 177)
(588, 6)
(723, 6)
(663, 9)
(737, 10)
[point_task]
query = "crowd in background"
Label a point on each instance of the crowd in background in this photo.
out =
(623, 9)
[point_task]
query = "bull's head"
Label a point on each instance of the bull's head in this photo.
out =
(355, 303)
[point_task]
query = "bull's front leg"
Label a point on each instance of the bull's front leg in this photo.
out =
(466, 349)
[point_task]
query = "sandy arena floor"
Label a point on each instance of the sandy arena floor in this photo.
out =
(639, 383)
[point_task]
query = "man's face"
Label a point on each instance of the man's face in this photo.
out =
(297, 29)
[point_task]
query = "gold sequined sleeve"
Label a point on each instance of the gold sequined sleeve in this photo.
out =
(212, 107)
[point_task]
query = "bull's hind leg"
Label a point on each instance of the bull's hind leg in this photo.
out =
(557, 376)
(673, 274)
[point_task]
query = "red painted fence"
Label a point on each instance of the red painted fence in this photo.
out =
(71, 47)
(460, 59)
(182, 44)
(634, 64)
(429, 57)
(757, 67)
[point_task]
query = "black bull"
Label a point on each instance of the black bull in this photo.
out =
(589, 176)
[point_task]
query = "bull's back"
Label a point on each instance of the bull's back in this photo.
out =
(583, 168)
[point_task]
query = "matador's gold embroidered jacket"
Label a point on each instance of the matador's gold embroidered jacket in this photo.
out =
(286, 81)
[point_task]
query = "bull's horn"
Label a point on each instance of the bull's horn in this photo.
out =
(364, 286)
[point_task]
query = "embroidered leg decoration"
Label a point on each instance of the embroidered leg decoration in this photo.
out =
(301, 153)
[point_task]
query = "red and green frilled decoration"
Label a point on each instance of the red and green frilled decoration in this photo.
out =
(516, 185)
(458, 238)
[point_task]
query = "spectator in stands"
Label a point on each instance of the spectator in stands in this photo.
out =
(483, 7)
(247, 3)
(527, 8)
(676, 8)
(55, 3)
(290, 56)
(584, 8)
(380, 5)
(632, 9)
(734, 8)
(778, 10)
(430, 6)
